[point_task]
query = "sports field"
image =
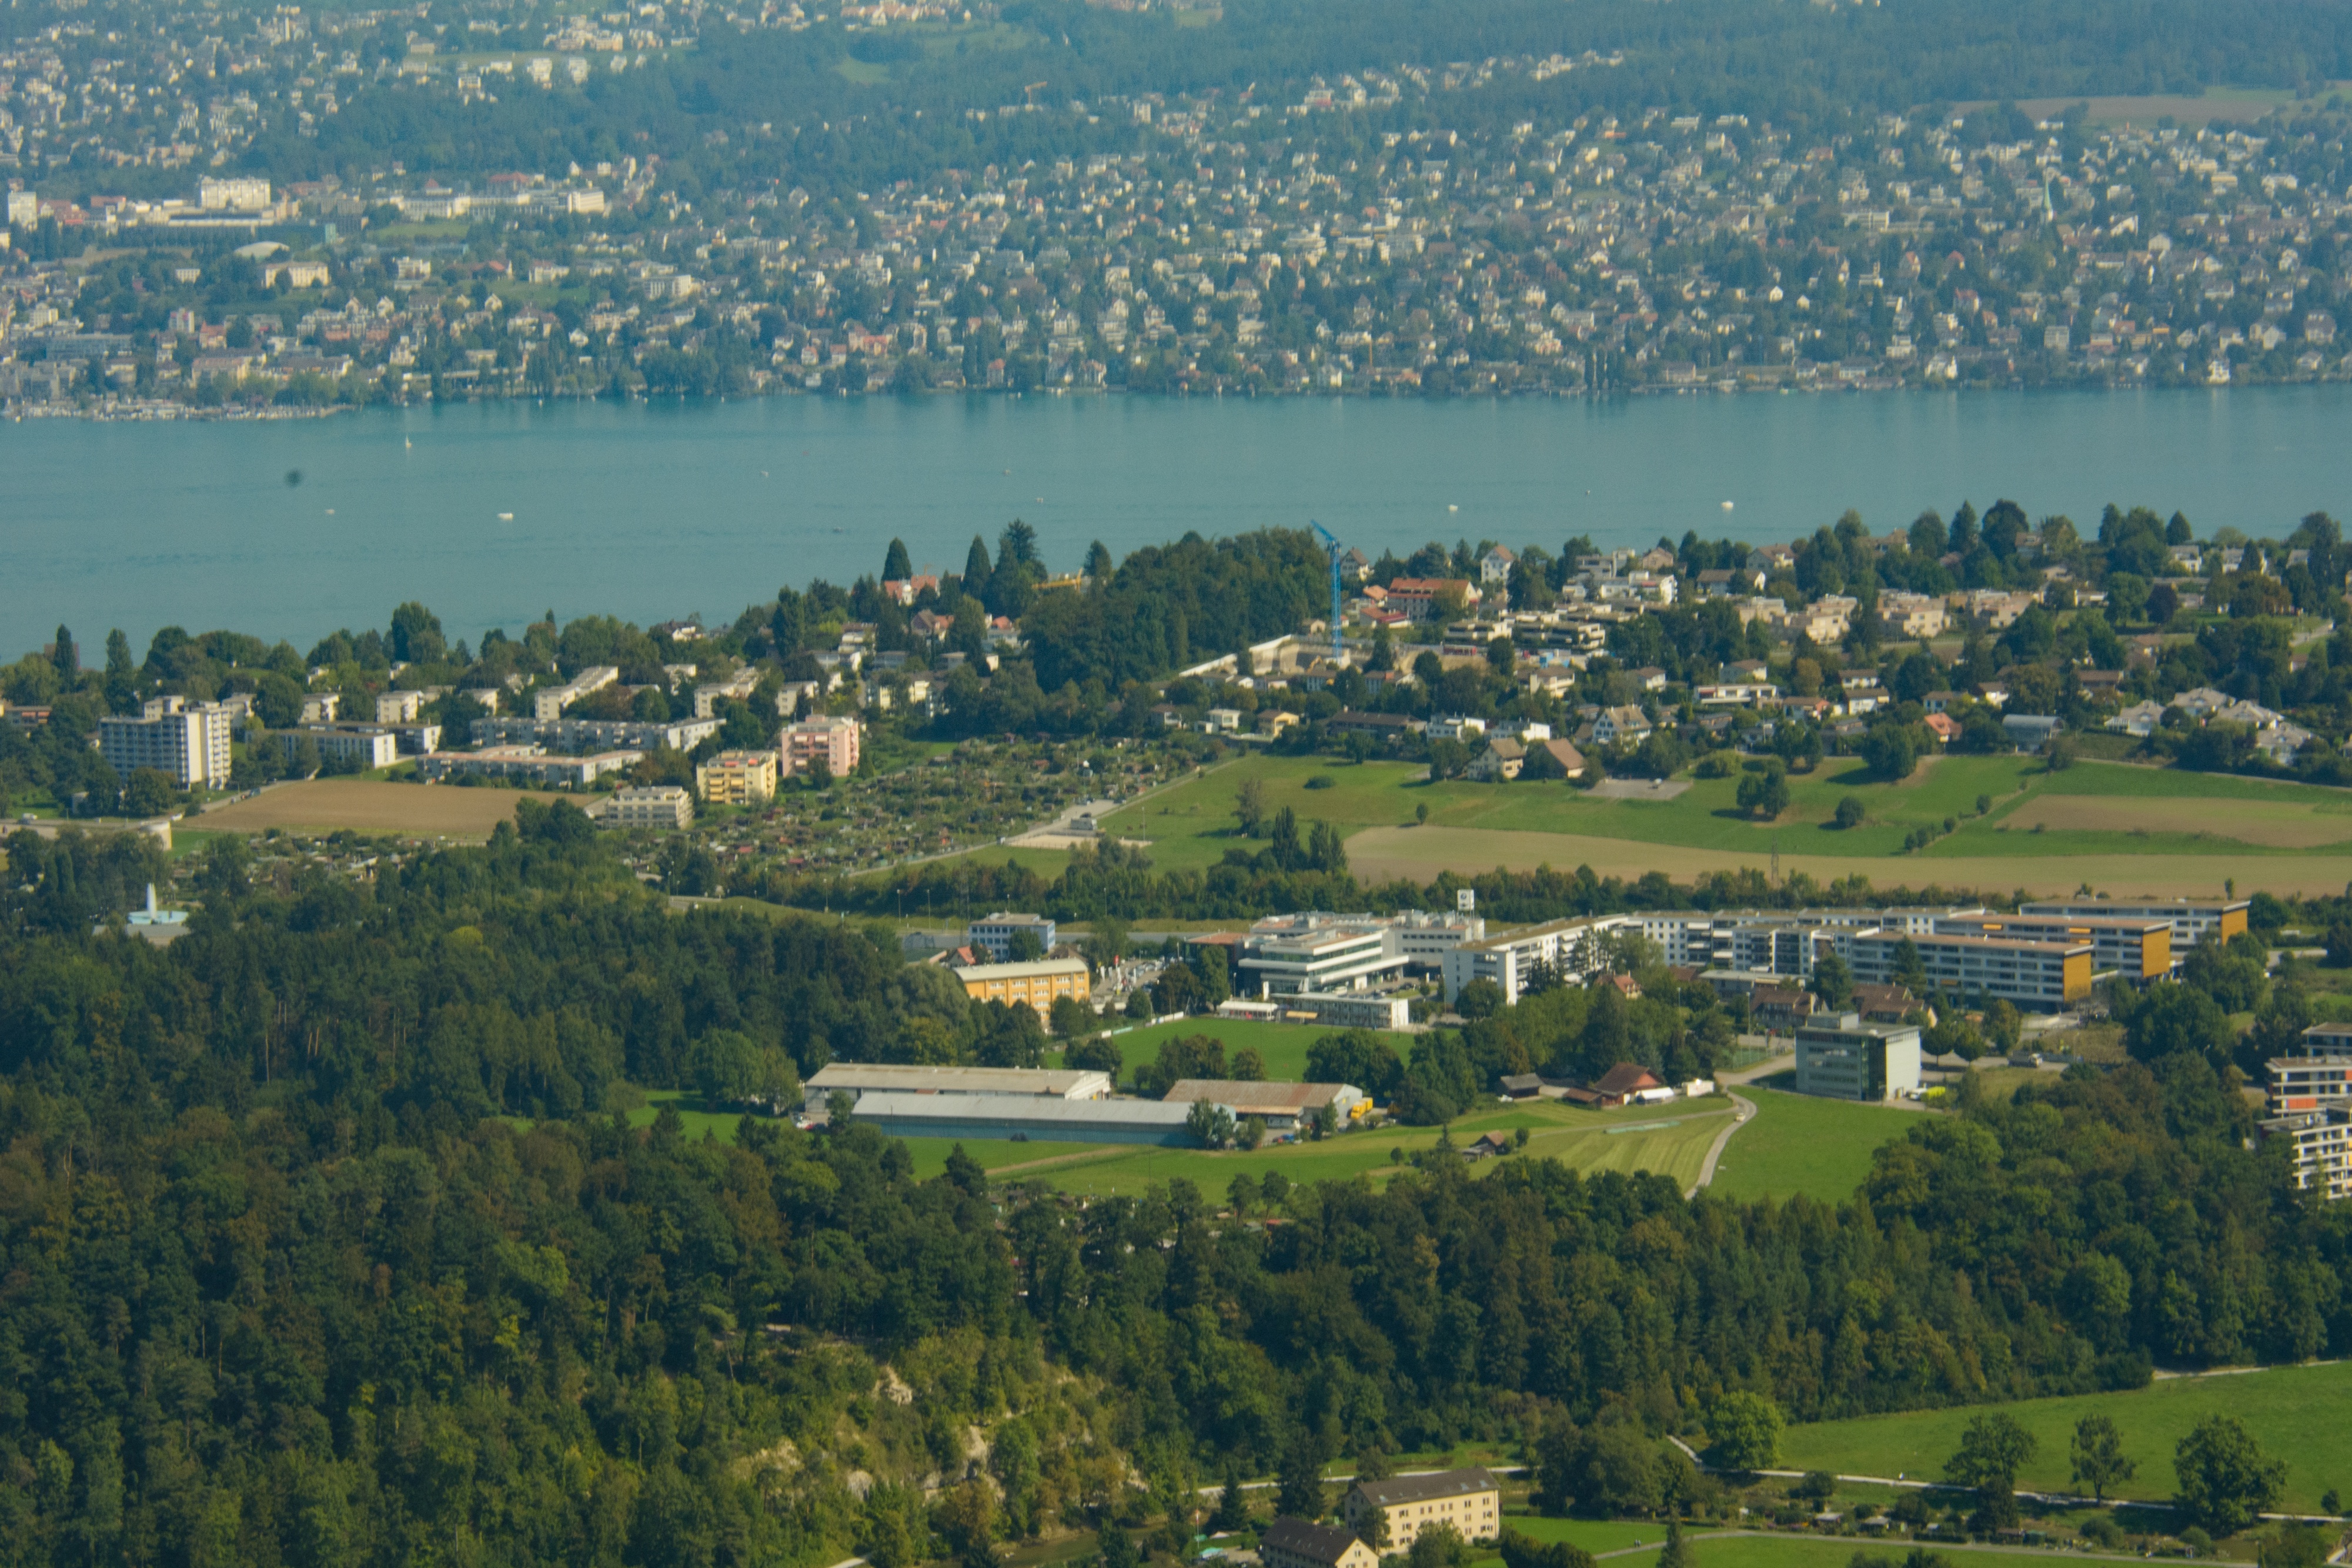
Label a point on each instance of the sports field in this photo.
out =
(2295, 1413)
(2122, 829)
(1797, 1143)
(367, 805)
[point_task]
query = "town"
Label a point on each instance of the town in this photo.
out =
(1343, 242)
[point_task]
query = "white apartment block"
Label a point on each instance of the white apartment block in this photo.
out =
(399, 708)
(660, 806)
(530, 762)
(319, 707)
(1571, 949)
(188, 744)
(367, 748)
(550, 704)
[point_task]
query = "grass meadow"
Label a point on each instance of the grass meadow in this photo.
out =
(1798, 1145)
(2295, 1413)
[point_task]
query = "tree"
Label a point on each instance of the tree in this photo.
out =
(1249, 805)
(2226, 1484)
(1114, 1548)
(1233, 1503)
(1211, 1124)
(1764, 795)
(416, 636)
(1024, 948)
(1678, 1553)
(1832, 982)
(1100, 1053)
(1524, 1552)
(1892, 750)
(1746, 1429)
(1850, 812)
(1071, 1017)
(2099, 1458)
(896, 566)
(1299, 1492)
(149, 793)
(1248, 1065)
(1993, 1447)
(64, 656)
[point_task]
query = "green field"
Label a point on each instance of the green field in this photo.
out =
(2296, 1413)
(1798, 1144)
(1193, 823)
(1283, 1045)
(1672, 1144)
(1757, 1548)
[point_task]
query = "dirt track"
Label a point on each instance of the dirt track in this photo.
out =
(366, 806)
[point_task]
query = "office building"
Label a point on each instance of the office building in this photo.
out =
(994, 935)
(1038, 985)
(1842, 1058)
(657, 806)
(188, 744)
(738, 778)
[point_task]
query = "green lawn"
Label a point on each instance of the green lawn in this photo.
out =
(1799, 1144)
(1789, 1549)
(2295, 1413)
(1193, 824)
(1283, 1045)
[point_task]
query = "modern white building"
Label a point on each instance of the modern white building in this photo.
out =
(657, 806)
(528, 762)
(550, 704)
(1842, 1058)
(1571, 949)
(1289, 954)
(996, 932)
(189, 745)
(365, 746)
(642, 734)
(2193, 919)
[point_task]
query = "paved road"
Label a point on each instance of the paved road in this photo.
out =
(1741, 1109)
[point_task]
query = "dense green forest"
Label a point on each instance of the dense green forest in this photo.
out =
(320, 1243)
(796, 117)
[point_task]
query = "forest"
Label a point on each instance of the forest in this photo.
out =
(324, 1239)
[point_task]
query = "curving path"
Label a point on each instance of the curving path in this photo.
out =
(1742, 1108)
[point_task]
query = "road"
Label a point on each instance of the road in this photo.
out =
(1741, 1109)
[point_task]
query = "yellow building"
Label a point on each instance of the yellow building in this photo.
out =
(1302, 1543)
(1393, 1513)
(1037, 984)
(738, 778)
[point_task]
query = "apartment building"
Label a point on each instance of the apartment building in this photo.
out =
(399, 708)
(1036, 984)
(1396, 1511)
(1570, 949)
(1302, 1543)
(827, 738)
(657, 806)
(2038, 976)
(187, 744)
(1840, 1056)
(2138, 949)
(529, 762)
(738, 778)
(995, 932)
(570, 734)
(2192, 919)
(353, 746)
(550, 702)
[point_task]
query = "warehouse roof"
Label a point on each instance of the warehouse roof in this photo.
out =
(1249, 1098)
(1020, 1110)
(867, 1077)
(1030, 971)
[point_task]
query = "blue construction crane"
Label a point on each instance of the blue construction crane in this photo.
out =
(1337, 552)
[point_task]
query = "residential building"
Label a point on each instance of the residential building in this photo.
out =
(2044, 976)
(1842, 1058)
(1395, 1512)
(2139, 949)
(2030, 731)
(550, 702)
(1620, 727)
(1502, 759)
(189, 745)
(1282, 1106)
(869, 1077)
(319, 707)
(995, 934)
(738, 778)
(2193, 920)
(1298, 1543)
(569, 734)
(1038, 985)
(655, 806)
(1570, 949)
(1494, 566)
(529, 762)
(1422, 597)
(825, 739)
(399, 708)
(1907, 616)
(2321, 1147)
(710, 694)
(349, 746)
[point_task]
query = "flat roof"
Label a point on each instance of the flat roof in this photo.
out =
(1019, 1082)
(1029, 971)
(1020, 1110)
(1249, 1097)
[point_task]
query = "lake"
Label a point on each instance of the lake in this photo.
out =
(495, 512)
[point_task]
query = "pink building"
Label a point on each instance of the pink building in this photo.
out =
(834, 739)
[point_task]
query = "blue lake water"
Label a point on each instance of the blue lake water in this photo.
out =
(650, 512)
